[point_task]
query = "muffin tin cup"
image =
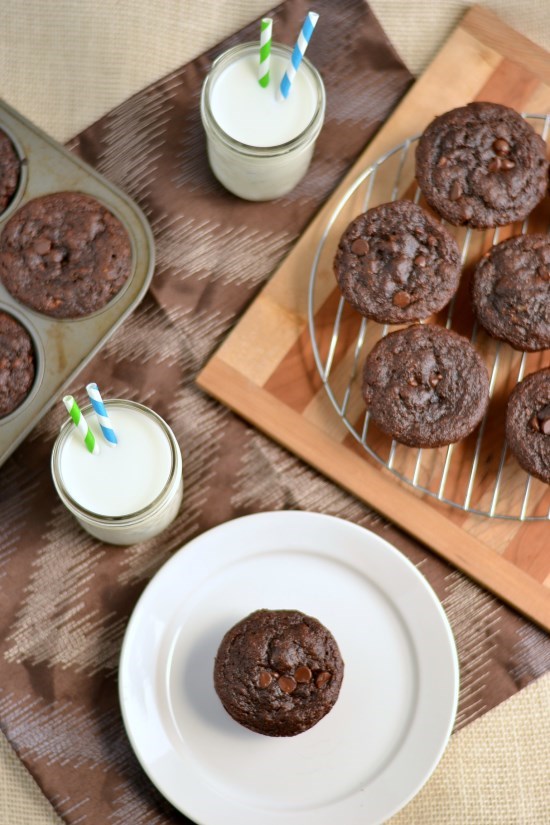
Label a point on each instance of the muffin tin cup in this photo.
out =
(39, 359)
(63, 346)
(13, 205)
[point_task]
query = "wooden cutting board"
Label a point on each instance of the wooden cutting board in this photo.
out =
(265, 370)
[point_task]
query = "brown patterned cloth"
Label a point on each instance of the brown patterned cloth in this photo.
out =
(65, 598)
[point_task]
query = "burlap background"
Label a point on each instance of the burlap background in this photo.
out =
(64, 64)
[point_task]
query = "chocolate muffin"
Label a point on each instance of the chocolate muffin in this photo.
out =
(395, 263)
(9, 171)
(511, 292)
(425, 386)
(528, 424)
(17, 365)
(482, 165)
(64, 255)
(278, 672)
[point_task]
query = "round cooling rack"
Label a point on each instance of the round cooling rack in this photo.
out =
(476, 475)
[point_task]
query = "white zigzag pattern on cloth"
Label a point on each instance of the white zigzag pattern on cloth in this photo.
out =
(133, 142)
(54, 625)
(15, 510)
(475, 617)
(189, 248)
(270, 478)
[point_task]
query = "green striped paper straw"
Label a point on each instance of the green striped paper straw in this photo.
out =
(266, 27)
(81, 424)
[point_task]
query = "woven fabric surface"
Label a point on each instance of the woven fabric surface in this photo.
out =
(495, 771)
(495, 768)
(65, 64)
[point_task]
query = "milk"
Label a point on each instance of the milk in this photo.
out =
(260, 145)
(127, 493)
(256, 116)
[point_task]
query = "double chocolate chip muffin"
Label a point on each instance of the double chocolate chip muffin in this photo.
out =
(528, 424)
(511, 292)
(395, 263)
(17, 364)
(425, 386)
(482, 165)
(9, 171)
(64, 255)
(278, 672)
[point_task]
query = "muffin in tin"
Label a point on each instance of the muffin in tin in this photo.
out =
(64, 255)
(17, 364)
(278, 672)
(10, 169)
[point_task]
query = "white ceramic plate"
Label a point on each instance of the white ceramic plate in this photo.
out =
(390, 725)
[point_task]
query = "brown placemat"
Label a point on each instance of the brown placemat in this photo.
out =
(65, 597)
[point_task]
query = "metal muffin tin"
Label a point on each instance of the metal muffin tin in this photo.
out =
(64, 346)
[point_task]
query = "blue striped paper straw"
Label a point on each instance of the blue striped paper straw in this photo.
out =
(298, 53)
(102, 416)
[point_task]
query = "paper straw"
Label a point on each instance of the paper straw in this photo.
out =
(81, 424)
(298, 53)
(102, 414)
(266, 27)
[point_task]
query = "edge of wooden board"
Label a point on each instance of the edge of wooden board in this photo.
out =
(386, 495)
(490, 29)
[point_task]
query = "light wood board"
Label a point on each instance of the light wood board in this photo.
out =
(278, 389)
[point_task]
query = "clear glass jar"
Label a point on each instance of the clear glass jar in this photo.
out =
(133, 527)
(259, 173)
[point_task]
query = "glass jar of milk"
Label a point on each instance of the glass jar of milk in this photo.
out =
(127, 493)
(259, 144)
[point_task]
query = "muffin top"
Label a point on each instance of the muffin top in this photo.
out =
(426, 386)
(482, 165)
(17, 364)
(395, 263)
(64, 255)
(528, 424)
(9, 171)
(511, 292)
(278, 672)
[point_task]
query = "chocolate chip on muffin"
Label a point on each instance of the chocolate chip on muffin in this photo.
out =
(482, 165)
(425, 386)
(278, 672)
(17, 364)
(528, 424)
(395, 263)
(511, 292)
(64, 255)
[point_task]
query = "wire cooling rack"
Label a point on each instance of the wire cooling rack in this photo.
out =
(476, 475)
